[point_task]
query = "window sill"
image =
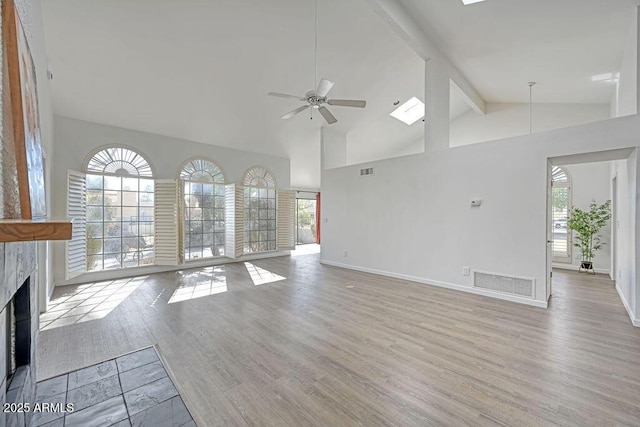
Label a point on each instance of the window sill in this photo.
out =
(101, 275)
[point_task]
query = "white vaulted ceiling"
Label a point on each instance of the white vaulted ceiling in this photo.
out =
(500, 45)
(200, 69)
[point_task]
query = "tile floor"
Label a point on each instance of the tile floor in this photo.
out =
(131, 390)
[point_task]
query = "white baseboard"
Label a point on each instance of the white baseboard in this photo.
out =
(577, 267)
(123, 273)
(438, 283)
(634, 321)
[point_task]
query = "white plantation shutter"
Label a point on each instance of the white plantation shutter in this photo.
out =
(166, 222)
(181, 229)
(76, 248)
(286, 219)
(234, 221)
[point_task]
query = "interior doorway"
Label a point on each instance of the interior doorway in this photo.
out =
(578, 181)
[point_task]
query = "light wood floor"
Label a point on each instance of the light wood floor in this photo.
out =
(332, 347)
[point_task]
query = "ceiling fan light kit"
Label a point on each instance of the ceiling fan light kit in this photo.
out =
(316, 98)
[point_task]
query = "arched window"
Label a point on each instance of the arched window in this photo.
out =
(561, 192)
(203, 209)
(259, 210)
(120, 203)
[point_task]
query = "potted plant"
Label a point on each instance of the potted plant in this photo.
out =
(587, 224)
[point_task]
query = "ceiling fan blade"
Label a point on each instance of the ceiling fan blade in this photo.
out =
(347, 103)
(330, 118)
(296, 111)
(324, 87)
(284, 95)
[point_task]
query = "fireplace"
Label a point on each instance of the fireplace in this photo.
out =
(11, 341)
(18, 330)
(18, 335)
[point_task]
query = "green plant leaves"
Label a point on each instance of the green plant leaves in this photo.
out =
(587, 224)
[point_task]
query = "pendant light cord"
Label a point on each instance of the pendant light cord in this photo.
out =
(316, 46)
(531, 84)
(530, 112)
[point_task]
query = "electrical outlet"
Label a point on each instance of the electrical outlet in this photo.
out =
(466, 271)
(345, 254)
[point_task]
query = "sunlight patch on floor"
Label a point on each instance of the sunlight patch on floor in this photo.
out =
(312, 248)
(260, 276)
(200, 283)
(88, 302)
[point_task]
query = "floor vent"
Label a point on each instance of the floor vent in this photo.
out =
(368, 171)
(519, 286)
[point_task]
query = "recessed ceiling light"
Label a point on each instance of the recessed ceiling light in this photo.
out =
(409, 112)
(468, 2)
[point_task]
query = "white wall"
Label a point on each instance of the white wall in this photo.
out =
(76, 140)
(416, 147)
(303, 148)
(507, 120)
(334, 148)
(628, 85)
(633, 169)
(626, 242)
(591, 181)
(412, 218)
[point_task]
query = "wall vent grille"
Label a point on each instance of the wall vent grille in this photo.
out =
(368, 171)
(519, 286)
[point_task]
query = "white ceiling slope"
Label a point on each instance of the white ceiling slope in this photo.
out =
(500, 45)
(201, 70)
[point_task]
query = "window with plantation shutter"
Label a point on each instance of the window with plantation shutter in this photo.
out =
(120, 210)
(286, 219)
(260, 227)
(561, 194)
(76, 248)
(202, 210)
(181, 227)
(234, 220)
(166, 222)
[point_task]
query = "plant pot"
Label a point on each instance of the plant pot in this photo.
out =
(587, 266)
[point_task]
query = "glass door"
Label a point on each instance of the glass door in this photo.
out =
(305, 221)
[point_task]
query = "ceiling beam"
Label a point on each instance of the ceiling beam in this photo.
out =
(397, 17)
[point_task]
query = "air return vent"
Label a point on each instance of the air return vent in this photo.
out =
(368, 171)
(518, 286)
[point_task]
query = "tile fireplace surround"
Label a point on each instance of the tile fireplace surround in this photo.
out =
(17, 264)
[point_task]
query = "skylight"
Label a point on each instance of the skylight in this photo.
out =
(409, 112)
(467, 2)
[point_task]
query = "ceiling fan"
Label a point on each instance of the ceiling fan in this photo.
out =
(315, 99)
